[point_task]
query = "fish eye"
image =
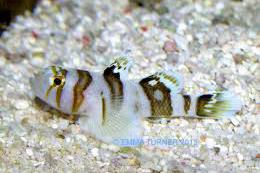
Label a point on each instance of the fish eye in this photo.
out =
(57, 81)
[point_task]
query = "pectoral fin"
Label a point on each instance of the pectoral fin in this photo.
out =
(116, 127)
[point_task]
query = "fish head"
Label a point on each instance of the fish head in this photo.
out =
(48, 85)
(63, 89)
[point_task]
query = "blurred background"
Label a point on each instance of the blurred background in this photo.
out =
(11, 8)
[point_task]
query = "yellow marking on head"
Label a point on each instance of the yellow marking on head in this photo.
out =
(58, 95)
(60, 85)
(53, 69)
(56, 81)
(48, 91)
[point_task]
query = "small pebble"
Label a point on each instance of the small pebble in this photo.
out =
(203, 138)
(86, 40)
(29, 151)
(210, 143)
(238, 59)
(144, 28)
(54, 126)
(95, 152)
(2, 61)
(257, 156)
(134, 162)
(240, 156)
(21, 104)
(170, 46)
(216, 149)
(234, 121)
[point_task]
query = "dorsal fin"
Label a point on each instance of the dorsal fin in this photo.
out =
(120, 67)
(170, 79)
(114, 75)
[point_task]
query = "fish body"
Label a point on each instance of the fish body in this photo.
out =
(111, 106)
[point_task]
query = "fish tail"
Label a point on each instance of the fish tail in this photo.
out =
(217, 105)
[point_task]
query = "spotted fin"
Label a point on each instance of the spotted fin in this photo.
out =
(218, 105)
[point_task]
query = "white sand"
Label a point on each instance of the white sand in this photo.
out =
(217, 46)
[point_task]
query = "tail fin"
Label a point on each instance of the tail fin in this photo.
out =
(218, 105)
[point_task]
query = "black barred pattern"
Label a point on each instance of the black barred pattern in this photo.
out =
(201, 102)
(103, 108)
(115, 86)
(159, 107)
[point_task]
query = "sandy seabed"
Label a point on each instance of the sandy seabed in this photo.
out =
(213, 44)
